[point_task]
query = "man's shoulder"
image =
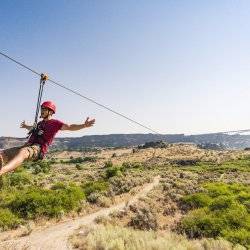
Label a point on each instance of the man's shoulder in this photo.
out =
(56, 121)
(57, 124)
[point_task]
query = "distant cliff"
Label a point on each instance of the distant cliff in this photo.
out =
(122, 140)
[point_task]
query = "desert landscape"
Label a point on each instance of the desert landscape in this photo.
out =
(175, 196)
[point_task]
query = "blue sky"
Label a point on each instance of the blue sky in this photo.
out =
(176, 66)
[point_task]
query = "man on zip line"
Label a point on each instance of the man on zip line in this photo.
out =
(41, 137)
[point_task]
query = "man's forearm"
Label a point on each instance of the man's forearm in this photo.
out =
(75, 127)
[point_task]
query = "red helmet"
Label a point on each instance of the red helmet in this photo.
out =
(49, 105)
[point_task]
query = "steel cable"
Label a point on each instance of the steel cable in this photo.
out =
(81, 95)
(104, 106)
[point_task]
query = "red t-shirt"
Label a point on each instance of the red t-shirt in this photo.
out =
(46, 133)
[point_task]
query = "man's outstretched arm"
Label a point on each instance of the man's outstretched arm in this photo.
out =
(74, 127)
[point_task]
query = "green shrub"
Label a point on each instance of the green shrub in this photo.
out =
(201, 223)
(93, 197)
(81, 160)
(217, 189)
(18, 179)
(224, 213)
(244, 198)
(239, 236)
(112, 171)
(52, 161)
(108, 164)
(34, 202)
(196, 200)
(221, 202)
(235, 217)
(8, 220)
(90, 159)
(123, 184)
(59, 185)
(41, 167)
(76, 160)
(79, 167)
(235, 188)
(144, 219)
(133, 165)
(97, 186)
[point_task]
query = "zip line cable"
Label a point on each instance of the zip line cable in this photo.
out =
(79, 94)
(103, 106)
(24, 66)
(241, 131)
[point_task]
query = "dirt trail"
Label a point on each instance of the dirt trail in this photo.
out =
(56, 237)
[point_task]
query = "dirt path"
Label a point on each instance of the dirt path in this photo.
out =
(56, 237)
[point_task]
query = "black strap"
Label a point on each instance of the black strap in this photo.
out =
(35, 132)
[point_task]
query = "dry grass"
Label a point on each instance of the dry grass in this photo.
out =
(118, 238)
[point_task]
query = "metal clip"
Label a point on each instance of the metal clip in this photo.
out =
(44, 78)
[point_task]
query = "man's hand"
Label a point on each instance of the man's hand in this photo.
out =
(88, 123)
(24, 125)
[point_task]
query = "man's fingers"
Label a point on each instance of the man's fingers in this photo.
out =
(89, 123)
(92, 121)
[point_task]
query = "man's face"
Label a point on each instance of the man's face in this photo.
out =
(45, 112)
